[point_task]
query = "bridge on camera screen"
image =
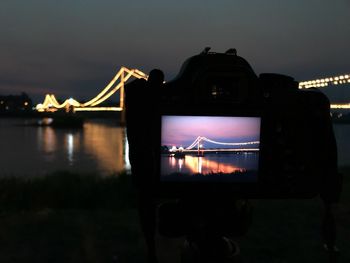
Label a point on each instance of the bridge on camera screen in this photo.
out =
(116, 86)
(197, 146)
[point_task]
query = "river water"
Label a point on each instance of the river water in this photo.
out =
(100, 147)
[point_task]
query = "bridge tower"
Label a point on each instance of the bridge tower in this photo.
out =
(121, 99)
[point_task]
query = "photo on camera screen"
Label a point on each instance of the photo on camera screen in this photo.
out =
(209, 149)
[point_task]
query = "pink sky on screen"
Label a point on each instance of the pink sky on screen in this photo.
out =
(181, 130)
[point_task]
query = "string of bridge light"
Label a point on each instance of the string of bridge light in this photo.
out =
(324, 82)
(200, 138)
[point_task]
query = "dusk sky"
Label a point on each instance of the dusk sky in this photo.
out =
(74, 48)
(183, 130)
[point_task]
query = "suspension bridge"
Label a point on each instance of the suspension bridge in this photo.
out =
(51, 104)
(197, 146)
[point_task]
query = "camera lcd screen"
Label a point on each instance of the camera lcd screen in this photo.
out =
(209, 149)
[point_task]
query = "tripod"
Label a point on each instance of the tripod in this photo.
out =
(208, 226)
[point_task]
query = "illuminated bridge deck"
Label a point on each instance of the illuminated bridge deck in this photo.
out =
(219, 150)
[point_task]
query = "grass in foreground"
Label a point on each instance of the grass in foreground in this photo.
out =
(64, 190)
(67, 217)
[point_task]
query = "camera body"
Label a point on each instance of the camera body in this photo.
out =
(224, 131)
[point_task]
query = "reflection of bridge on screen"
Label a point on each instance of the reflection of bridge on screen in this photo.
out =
(197, 146)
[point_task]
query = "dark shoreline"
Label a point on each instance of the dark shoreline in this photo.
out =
(108, 115)
(35, 114)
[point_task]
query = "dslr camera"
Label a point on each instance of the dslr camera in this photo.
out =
(224, 131)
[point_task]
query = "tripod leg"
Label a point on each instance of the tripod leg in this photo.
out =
(329, 233)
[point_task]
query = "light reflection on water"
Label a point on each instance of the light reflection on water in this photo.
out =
(210, 163)
(70, 147)
(100, 147)
(204, 165)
